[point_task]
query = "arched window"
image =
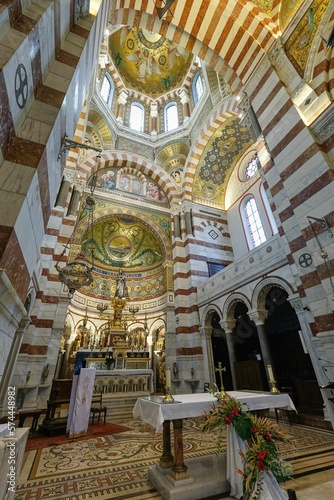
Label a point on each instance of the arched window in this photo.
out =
(137, 117)
(197, 87)
(171, 117)
(255, 228)
(107, 89)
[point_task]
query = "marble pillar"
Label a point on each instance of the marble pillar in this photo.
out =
(11, 363)
(228, 325)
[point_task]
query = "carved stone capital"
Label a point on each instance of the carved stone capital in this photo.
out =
(227, 325)
(205, 331)
(296, 304)
(259, 317)
(24, 323)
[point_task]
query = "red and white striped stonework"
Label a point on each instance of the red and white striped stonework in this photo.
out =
(49, 61)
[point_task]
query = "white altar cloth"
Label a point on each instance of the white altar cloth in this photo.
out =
(150, 410)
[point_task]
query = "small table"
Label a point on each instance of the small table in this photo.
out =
(151, 410)
(34, 413)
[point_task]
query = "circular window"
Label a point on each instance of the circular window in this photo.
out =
(251, 167)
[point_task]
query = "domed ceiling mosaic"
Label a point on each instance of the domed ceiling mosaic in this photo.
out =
(148, 62)
(219, 158)
(122, 241)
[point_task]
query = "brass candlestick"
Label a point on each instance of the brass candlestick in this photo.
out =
(168, 398)
(274, 389)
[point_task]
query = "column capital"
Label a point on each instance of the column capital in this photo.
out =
(122, 98)
(259, 317)
(154, 109)
(24, 323)
(184, 96)
(296, 303)
(227, 325)
(205, 331)
(175, 210)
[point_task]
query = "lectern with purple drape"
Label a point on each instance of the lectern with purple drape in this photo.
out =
(80, 402)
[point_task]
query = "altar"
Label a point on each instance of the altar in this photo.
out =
(172, 477)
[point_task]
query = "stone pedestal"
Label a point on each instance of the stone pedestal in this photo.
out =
(206, 478)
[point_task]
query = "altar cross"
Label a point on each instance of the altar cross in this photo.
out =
(220, 370)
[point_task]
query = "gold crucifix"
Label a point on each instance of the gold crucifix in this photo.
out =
(220, 370)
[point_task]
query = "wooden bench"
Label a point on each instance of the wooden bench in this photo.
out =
(97, 407)
(35, 413)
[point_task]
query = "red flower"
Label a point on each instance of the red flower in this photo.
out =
(255, 430)
(261, 465)
(262, 455)
(227, 420)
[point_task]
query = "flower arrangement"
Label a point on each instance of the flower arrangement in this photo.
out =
(261, 436)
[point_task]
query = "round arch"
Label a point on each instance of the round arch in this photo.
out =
(255, 34)
(261, 290)
(128, 160)
(217, 117)
(207, 314)
(231, 303)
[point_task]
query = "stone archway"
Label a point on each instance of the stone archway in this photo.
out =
(215, 350)
(292, 364)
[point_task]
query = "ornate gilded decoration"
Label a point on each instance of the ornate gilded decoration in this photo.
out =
(288, 10)
(135, 244)
(219, 158)
(125, 243)
(299, 43)
(134, 183)
(148, 62)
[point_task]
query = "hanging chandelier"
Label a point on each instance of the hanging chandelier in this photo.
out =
(78, 273)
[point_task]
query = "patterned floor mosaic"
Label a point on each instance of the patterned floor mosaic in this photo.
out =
(115, 467)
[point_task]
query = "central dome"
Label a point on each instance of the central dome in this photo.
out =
(148, 62)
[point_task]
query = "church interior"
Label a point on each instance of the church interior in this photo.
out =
(172, 215)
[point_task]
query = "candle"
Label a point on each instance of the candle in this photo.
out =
(270, 373)
(168, 384)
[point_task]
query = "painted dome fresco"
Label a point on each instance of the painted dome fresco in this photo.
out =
(148, 62)
(123, 242)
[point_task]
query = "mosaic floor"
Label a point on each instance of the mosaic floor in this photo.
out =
(115, 466)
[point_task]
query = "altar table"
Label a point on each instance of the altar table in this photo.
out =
(153, 411)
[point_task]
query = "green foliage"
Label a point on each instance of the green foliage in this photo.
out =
(261, 436)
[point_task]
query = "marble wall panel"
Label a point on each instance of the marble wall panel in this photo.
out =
(54, 165)
(273, 105)
(10, 207)
(280, 129)
(30, 227)
(56, 80)
(63, 20)
(46, 27)
(15, 178)
(318, 205)
(297, 142)
(12, 261)
(307, 179)
(4, 20)
(19, 87)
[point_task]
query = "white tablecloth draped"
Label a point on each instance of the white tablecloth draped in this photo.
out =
(270, 487)
(234, 444)
(151, 410)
